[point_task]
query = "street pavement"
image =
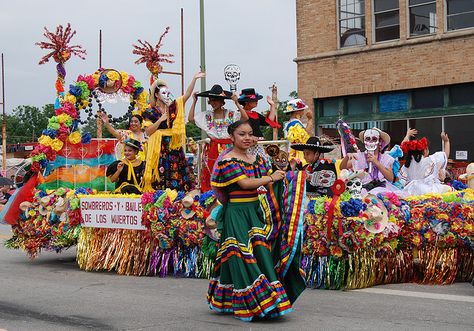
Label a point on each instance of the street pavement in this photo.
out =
(52, 293)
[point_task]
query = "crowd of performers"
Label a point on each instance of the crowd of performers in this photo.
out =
(257, 271)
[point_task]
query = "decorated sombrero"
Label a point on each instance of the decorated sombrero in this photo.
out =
(314, 144)
(133, 143)
(249, 94)
(295, 105)
(216, 92)
(375, 215)
(110, 81)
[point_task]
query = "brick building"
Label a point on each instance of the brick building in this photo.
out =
(392, 64)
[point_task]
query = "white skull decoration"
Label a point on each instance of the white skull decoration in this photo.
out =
(232, 76)
(165, 95)
(354, 186)
(371, 139)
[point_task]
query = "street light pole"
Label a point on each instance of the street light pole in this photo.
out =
(4, 125)
(203, 52)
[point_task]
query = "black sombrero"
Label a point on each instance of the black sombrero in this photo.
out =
(216, 92)
(133, 143)
(313, 143)
(249, 94)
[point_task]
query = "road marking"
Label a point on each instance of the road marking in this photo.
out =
(425, 295)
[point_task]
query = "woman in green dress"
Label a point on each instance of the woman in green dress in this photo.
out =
(257, 272)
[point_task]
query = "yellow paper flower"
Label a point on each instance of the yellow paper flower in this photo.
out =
(96, 77)
(171, 194)
(63, 118)
(57, 144)
(113, 75)
(124, 78)
(70, 98)
(32, 213)
(75, 137)
(45, 140)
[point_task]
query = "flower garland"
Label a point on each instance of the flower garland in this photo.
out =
(63, 128)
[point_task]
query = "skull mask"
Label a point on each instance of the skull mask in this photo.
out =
(371, 139)
(165, 95)
(232, 76)
(354, 186)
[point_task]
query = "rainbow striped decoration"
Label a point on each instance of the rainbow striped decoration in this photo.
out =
(81, 165)
(292, 228)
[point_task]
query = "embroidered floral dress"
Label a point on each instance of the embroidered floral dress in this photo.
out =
(166, 163)
(216, 129)
(257, 270)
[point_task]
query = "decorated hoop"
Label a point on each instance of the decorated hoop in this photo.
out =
(63, 127)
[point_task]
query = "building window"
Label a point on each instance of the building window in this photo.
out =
(459, 14)
(330, 107)
(422, 17)
(432, 97)
(461, 95)
(393, 102)
(361, 104)
(351, 23)
(387, 20)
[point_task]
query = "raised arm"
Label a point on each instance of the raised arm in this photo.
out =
(446, 144)
(243, 113)
(108, 126)
(410, 134)
(271, 115)
(193, 108)
(190, 88)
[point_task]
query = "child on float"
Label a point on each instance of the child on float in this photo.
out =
(321, 173)
(376, 164)
(421, 171)
(295, 130)
(135, 131)
(215, 123)
(248, 98)
(127, 173)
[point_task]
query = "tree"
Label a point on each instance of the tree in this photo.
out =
(192, 131)
(27, 123)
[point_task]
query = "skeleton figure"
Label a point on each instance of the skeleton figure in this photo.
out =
(354, 187)
(165, 95)
(232, 76)
(371, 140)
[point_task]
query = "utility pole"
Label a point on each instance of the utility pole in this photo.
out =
(98, 120)
(203, 52)
(4, 125)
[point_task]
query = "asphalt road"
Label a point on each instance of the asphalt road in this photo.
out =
(51, 293)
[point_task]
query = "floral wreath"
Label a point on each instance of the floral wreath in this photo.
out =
(63, 127)
(414, 145)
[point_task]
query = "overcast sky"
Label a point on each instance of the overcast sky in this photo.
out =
(257, 35)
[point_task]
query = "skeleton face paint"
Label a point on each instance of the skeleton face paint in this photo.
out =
(165, 95)
(371, 139)
(354, 187)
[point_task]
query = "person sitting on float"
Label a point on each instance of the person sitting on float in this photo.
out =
(321, 173)
(166, 165)
(295, 130)
(127, 173)
(248, 98)
(135, 131)
(215, 123)
(376, 164)
(421, 171)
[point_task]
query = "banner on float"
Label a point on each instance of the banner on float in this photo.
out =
(112, 213)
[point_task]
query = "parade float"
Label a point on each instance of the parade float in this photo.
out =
(350, 241)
